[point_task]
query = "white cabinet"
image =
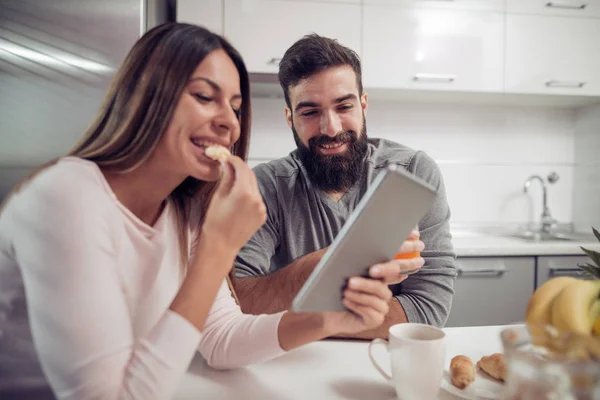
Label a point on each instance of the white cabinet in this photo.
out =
(262, 30)
(491, 290)
(552, 55)
(488, 46)
(567, 8)
(328, 1)
(554, 266)
(432, 49)
(482, 5)
(206, 13)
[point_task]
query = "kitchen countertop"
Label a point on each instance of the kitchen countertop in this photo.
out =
(471, 243)
(329, 369)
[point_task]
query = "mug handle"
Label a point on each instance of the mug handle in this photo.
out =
(375, 364)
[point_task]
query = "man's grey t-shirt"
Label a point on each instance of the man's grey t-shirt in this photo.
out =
(301, 219)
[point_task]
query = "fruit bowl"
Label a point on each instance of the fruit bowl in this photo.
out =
(555, 366)
(557, 354)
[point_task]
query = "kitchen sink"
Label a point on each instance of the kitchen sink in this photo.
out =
(539, 236)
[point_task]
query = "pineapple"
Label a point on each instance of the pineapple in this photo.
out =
(594, 270)
(589, 268)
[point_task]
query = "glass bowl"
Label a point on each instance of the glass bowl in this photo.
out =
(569, 371)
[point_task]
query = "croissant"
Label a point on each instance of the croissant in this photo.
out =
(494, 366)
(462, 371)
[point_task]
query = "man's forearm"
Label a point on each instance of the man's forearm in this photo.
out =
(395, 316)
(273, 293)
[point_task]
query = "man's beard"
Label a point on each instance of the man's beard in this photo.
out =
(336, 172)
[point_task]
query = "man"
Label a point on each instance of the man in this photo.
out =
(310, 193)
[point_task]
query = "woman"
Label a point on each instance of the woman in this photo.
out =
(113, 259)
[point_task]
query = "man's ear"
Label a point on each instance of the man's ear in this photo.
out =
(364, 102)
(288, 117)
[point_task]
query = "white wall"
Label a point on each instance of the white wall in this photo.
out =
(485, 152)
(586, 185)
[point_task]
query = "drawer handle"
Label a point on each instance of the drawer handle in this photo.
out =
(562, 4)
(274, 61)
(576, 272)
(565, 84)
(434, 78)
(481, 271)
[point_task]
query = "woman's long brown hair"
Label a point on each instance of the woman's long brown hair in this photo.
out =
(140, 103)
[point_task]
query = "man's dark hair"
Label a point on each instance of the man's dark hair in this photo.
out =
(312, 54)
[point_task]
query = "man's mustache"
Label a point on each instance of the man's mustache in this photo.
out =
(340, 138)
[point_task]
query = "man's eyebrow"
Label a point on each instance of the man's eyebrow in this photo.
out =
(349, 96)
(214, 85)
(305, 104)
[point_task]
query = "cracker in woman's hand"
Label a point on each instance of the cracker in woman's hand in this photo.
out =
(217, 153)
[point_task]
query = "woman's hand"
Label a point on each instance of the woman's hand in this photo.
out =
(236, 210)
(368, 303)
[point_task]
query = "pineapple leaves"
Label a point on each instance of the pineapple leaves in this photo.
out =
(596, 233)
(590, 269)
(594, 255)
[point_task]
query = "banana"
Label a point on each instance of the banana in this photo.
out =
(539, 309)
(576, 307)
(596, 329)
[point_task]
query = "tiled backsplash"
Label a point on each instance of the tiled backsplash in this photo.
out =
(586, 185)
(485, 152)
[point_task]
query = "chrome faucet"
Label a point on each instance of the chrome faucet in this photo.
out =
(547, 220)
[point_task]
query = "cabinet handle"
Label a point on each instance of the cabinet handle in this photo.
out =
(274, 61)
(434, 78)
(576, 272)
(563, 4)
(481, 271)
(565, 84)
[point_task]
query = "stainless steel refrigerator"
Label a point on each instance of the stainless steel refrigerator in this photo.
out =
(56, 60)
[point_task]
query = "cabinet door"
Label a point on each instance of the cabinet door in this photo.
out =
(328, 1)
(554, 266)
(482, 5)
(492, 290)
(432, 49)
(552, 55)
(206, 13)
(262, 30)
(566, 8)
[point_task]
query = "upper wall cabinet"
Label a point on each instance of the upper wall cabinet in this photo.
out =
(206, 13)
(552, 55)
(432, 49)
(262, 30)
(565, 8)
(481, 5)
(328, 1)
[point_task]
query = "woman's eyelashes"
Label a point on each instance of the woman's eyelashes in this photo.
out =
(202, 98)
(207, 99)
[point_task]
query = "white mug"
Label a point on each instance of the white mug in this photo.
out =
(417, 354)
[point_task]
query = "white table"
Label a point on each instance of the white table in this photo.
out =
(330, 369)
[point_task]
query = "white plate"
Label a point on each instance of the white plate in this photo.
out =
(484, 386)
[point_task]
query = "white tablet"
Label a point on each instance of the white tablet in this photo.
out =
(374, 232)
